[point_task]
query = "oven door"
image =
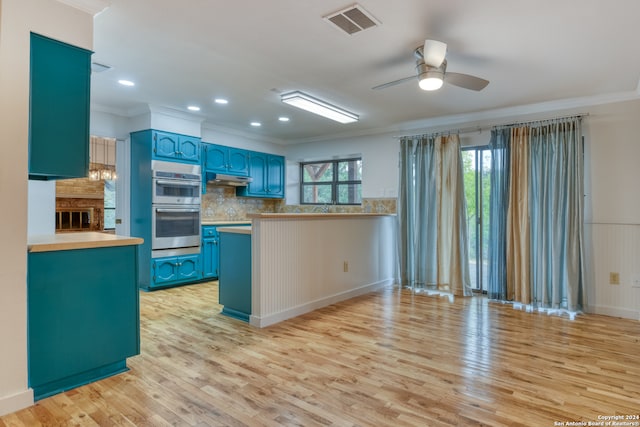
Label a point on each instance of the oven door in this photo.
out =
(176, 191)
(175, 226)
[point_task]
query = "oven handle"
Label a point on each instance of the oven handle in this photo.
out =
(165, 210)
(179, 183)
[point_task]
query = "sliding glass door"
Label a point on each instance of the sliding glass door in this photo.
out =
(477, 185)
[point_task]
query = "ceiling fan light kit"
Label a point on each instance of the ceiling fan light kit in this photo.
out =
(314, 105)
(430, 78)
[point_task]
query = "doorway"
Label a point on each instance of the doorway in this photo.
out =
(477, 186)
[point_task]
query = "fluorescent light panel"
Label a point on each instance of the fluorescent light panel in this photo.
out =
(316, 106)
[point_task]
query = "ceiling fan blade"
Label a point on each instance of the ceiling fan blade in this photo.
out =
(393, 83)
(466, 81)
(434, 52)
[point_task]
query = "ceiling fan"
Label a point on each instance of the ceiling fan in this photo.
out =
(431, 70)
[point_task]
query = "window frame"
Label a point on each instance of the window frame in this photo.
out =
(333, 184)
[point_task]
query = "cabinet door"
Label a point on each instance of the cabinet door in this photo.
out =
(215, 158)
(275, 176)
(210, 253)
(189, 268)
(59, 97)
(189, 149)
(165, 270)
(238, 162)
(258, 171)
(165, 145)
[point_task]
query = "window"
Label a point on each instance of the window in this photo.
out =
(337, 182)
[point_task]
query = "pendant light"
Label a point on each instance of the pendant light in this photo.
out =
(94, 173)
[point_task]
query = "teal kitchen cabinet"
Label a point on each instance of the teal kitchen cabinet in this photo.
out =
(59, 97)
(175, 270)
(225, 160)
(175, 147)
(83, 316)
(211, 249)
(268, 172)
(234, 290)
(210, 252)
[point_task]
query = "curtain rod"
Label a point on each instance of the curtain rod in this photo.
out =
(480, 128)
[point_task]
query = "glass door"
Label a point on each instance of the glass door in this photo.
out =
(477, 186)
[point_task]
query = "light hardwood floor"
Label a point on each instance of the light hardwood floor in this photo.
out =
(384, 359)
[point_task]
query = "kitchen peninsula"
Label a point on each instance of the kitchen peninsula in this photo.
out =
(83, 308)
(301, 262)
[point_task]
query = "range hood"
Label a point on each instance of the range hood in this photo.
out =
(227, 180)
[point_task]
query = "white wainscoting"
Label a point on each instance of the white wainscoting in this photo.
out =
(613, 248)
(299, 264)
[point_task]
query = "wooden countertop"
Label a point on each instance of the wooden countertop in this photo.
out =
(224, 222)
(80, 240)
(246, 229)
(315, 215)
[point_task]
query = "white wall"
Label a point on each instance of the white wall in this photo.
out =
(379, 162)
(612, 206)
(17, 19)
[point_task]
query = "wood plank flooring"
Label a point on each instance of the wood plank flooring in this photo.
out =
(388, 358)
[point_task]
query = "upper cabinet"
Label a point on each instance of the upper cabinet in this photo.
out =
(226, 160)
(175, 147)
(60, 81)
(268, 172)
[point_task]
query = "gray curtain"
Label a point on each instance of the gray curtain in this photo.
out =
(432, 243)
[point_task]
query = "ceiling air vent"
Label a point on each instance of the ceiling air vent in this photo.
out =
(352, 19)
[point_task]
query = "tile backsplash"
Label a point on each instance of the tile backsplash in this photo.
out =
(221, 203)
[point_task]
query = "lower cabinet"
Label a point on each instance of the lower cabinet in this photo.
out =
(175, 270)
(211, 249)
(210, 252)
(83, 316)
(234, 291)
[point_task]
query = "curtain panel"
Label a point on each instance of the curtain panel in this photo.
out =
(433, 242)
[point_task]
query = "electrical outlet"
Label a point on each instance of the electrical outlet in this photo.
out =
(614, 278)
(345, 267)
(636, 281)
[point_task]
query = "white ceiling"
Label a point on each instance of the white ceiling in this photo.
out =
(187, 52)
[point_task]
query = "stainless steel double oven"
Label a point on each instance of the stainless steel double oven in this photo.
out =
(175, 207)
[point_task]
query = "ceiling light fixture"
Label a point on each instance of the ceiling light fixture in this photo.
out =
(283, 119)
(430, 78)
(309, 103)
(256, 124)
(193, 108)
(126, 83)
(221, 101)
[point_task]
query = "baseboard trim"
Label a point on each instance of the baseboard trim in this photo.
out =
(273, 318)
(15, 402)
(614, 311)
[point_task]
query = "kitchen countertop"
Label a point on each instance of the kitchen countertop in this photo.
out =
(80, 240)
(238, 230)
(315, 215)
(224, 222)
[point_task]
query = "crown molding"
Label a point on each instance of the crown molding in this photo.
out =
(92, 7)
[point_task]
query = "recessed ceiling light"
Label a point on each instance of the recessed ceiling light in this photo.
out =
(221, 101)
(126, 83)
(193, 108)
(256, 124)
(283, 119)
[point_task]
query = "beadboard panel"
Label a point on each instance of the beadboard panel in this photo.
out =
(613, 248)
(299, 265)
